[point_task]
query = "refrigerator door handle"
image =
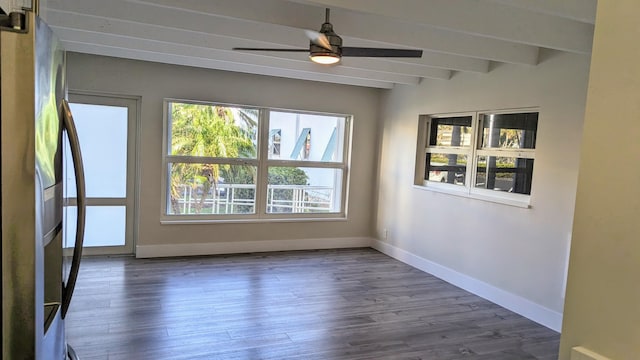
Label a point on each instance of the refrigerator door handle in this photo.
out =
(76, 155)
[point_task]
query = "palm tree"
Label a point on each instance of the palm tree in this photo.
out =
(207, 131)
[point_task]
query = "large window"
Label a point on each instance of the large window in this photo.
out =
(484, 154)
(236, 162)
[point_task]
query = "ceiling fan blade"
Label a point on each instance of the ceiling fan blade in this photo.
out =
(319, 39)
(380, 52)
(267, 49)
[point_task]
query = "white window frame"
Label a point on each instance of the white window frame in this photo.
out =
(262, 163)
(472, 152)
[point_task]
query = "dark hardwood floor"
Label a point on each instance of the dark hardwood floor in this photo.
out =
(328, 304)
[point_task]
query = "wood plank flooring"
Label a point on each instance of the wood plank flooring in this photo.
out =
(327, 304)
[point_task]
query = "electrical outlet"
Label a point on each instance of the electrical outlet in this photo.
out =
(385, 234)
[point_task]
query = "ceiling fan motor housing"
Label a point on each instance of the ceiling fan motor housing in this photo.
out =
(334, 40)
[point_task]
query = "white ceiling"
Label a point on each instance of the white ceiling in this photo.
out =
(456, 35)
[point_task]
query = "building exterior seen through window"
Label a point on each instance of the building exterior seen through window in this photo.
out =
(275, 136)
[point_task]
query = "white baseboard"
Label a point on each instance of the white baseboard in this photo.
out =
(236, 247)
(515, 303)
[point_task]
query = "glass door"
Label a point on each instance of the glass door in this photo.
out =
(106, 131)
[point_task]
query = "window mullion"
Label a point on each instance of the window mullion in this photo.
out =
(263, 169)
(166, 136)
(475, 144)
(346, 138)
(308, 164)
(519, 153)
(460, 150)
(209, 160)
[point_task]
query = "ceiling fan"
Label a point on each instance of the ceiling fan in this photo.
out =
(326, 47)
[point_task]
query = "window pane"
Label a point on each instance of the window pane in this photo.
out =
(507, 174)
(452, 131)
(212, 130)
(304, 190)
(105, 226)
(446, 168)
(102, 132)
(294, 136)
(512, 131)
(211, 189)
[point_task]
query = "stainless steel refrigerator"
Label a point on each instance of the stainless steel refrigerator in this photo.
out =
(37, 281)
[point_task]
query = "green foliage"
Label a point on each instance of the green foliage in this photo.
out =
(287, 176)
(444, 159)
(277, 176)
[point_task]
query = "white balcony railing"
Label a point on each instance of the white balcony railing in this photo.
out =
(240, 199)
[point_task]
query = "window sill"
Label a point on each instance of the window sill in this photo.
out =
(183, 221)
(516, 200)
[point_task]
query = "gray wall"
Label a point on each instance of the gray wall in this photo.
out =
(514, 251)
(602, 311)
(153, 82)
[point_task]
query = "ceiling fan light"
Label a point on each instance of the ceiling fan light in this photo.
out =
(325, 58)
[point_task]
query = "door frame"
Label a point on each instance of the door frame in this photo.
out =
(133, 103)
